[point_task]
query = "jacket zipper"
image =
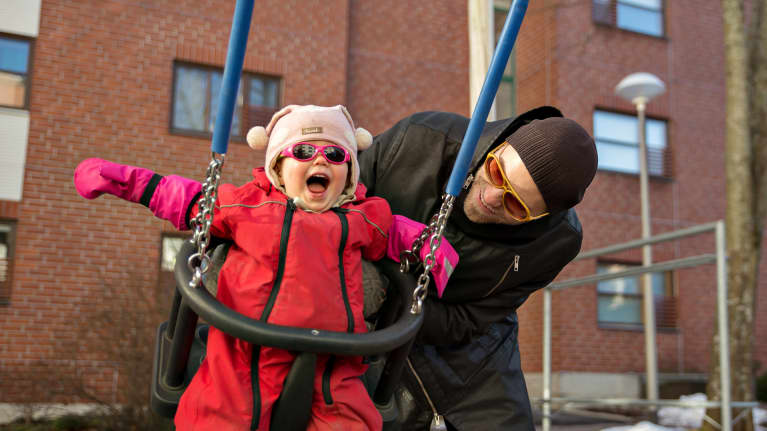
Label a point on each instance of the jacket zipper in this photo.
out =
(344, 293)
(514, 265)
(327, 396)
(289, 210)
(437, 421)
(468, 181)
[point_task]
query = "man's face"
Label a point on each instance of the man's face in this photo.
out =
(484, 203)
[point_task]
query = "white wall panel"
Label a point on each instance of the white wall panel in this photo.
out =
(14, 132)
(20, 17)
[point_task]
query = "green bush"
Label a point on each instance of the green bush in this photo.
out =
(761, 388)
(71, 423)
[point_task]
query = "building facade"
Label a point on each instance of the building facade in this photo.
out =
(136, 82)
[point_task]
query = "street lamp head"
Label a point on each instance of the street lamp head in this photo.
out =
(640, 87)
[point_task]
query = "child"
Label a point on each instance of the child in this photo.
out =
(299, 229)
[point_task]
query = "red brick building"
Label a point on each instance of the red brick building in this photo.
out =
(136, 82)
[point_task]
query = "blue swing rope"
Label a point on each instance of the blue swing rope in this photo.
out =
(199, 262)
(486, 96)
(235, 56)
(433, 232)
(231, 80)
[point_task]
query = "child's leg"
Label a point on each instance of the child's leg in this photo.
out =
(374, 285)
(342, 402)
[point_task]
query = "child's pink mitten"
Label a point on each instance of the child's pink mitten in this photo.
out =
(94, 177)
(168, 197)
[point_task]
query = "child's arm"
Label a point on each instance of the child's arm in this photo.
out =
(402, 235)
(169, 198)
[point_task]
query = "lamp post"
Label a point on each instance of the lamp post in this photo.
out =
(639, 88)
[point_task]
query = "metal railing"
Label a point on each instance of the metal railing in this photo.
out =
(725, 403)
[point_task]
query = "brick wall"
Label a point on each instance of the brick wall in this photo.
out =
(586, 62)
(407, 57)
(101, 87)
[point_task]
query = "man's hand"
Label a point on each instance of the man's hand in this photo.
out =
(402, 235)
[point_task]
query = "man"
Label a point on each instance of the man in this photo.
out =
(514, 229)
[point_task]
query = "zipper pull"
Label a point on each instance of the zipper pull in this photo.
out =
(468, 181)
(516, 263)
(438, 423)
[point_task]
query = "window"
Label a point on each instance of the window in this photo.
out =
(196, 95)
(7, 238)
(505, 99)
(620, 300)
(171, 244)
(617, 139)
(641, 16)
(14, 71)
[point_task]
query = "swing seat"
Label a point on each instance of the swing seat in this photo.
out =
(181, 341)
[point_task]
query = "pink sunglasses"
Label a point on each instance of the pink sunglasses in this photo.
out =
(307, 151)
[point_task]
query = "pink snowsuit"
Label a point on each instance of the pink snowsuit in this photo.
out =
(288, 267)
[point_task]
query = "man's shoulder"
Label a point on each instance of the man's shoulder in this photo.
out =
(570, 235)
(572, 221)
(438, 121)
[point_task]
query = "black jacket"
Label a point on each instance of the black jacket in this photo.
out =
(466, 354)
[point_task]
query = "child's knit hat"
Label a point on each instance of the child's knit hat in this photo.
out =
(296, 123)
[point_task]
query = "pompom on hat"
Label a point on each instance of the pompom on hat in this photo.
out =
(300, 123)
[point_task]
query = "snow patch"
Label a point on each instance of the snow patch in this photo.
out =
(676, 418)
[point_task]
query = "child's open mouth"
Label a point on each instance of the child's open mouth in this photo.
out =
(317, 183)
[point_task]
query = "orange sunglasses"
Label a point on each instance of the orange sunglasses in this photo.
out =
(512, 202)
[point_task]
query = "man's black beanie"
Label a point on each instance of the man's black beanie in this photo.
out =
(560, 156)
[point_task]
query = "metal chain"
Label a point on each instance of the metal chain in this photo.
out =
(411, 257)
(437, 227)
(199, 262)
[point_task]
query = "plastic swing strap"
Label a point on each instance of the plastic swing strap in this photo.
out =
(199, 262)
(468, 145)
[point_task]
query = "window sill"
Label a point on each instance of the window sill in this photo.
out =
(663, 38)
(631, 327)
(204, 135)
(658, 178)
(14, 110)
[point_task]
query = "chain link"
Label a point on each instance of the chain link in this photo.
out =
(436, 228)
(199, 262)
(411, 257)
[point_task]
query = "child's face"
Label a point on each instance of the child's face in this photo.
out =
(316, 182)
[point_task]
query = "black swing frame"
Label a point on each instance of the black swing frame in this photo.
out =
(179, 347)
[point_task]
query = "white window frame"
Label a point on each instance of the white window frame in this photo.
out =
(9, 76)
(7, 249)
(620, 293)
(617, 140)
(623, 14)
(207, 102)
